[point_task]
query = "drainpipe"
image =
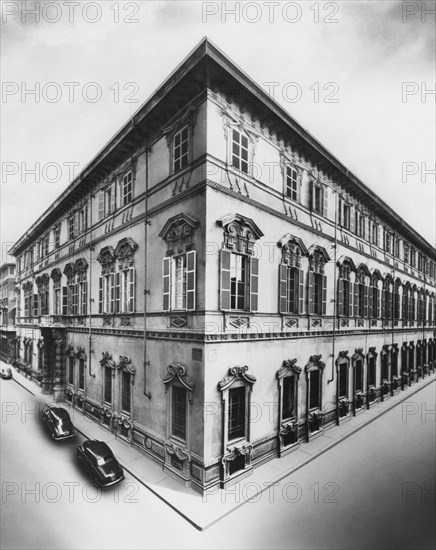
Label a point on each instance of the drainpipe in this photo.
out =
(335, 290)
(146, 291)
(90, 299)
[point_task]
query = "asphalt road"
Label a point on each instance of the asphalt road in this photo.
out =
(372, 491)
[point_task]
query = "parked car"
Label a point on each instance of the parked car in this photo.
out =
(58, 422)
(99, 461)
(6, 373)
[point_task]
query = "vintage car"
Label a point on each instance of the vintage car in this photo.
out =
(6, 373)
(58, 422)
(99, 461)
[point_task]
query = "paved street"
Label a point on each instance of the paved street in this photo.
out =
(367, 492)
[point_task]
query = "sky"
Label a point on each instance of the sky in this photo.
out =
(357, 75)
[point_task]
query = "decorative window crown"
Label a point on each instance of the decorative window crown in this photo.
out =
(292, 250)
(289, 366)
(42, 280)
(80, 265)
(236, 373)
(178, 232)
(125, 249)
(314, 363)
(177, 372)
(318, 257)
(56, 274)
(240, 233)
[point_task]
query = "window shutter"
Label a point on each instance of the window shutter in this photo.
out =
(379, 235)
(310, 292)
(340, 308)
(378, 313)
(356, 300)
(365, 301)
(300, 291)
(76, 224)
(254, 284)
(35, 305)
(166, 283)
(325, 202)
(370, 303)
(350, 300)
(283, 271)
(312, 196)
(85, 298)
(190, 280)
(100, 294)
(383, 304)
(64, 300)
(389, 308)
(101, 205)
(225, 280)
(324, 294)
(113, 195)
(117, 292)
(340, 216)
(112, 293)
(352, 220)
(132, 289)
(403, 307)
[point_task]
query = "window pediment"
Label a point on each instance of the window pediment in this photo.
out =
(292, 250)
(342, 357)
(69, 270)
(106, 256)
(318, 257)
(289, 367)
(56, 274)
(314, 363)
(236, 373)
(42, 280)
(80, 265)
(107, 361)
(178, 232)
(240, 233)
(125, 248)
(125, 363)
(177, 372)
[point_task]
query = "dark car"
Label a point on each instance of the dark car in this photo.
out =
(58, 422)
(6, 373)
(100, 462)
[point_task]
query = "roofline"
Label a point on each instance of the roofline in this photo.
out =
(206, 48)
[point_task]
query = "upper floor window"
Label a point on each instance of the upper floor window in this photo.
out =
(361, 292)
(83, 219)
(374, 296)
(239, 269)
(374, 233)
(240, 151)
(344, 215)
(317, 282)
(72, 229)
(126, 389)
(292, 183)
(291, 279)
(318, 199)
(127, 290)
(57, 236)
(179, 397)
(181, 149)
(179, 267)
(127, 188)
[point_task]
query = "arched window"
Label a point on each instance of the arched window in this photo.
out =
(291, 277)
(361, 291)
(345, 287)
(235, 391)
(387, 297)
(317, 288)
(374, 295)
(287, 378)
(239, 268)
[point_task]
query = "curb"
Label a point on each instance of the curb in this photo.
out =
(415, 389)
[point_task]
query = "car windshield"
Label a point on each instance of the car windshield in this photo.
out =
(103, 460)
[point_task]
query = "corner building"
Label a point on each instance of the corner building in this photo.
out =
(217, 288)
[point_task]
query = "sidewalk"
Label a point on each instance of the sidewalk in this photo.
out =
(203, 511)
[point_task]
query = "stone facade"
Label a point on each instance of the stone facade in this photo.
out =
(7, 311)
(216, 288)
